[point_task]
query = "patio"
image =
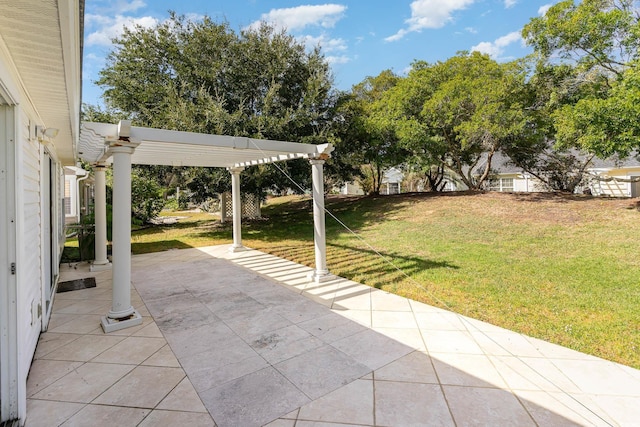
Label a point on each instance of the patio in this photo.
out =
(245, 339)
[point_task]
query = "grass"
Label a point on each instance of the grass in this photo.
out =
(561, 268)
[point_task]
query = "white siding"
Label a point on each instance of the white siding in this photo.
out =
(30, 262)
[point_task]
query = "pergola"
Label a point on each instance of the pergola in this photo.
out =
(123, 145)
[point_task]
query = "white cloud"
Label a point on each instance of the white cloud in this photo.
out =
(544, 9)
(129, 6)
(341, 59)
(496, 48)
(332, 47)
(471, 30)
(327, 44)
(297, 18)
(510, 3)
(110, 27)
(430, 14)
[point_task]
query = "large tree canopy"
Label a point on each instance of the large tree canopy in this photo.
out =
(457, 113)
(600, 39)
(201, 76)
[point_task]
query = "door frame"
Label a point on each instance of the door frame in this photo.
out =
(9, 387)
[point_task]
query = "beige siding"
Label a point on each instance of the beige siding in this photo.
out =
(615, 188)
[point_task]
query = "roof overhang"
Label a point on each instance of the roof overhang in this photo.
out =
(177, 148)
(43, 43)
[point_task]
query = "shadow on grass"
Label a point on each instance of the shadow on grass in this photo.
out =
(161, 245)
(377, 269)
(288, 233)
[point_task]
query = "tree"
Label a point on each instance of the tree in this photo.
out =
(372, 144)
(600, 40)
(457, 113)
(146, 199)
(201, 76)
(606, 126)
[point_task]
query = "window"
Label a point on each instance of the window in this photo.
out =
(501, 184)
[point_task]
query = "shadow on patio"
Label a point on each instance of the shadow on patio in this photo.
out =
(252, 342)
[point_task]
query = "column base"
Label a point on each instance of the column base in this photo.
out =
(100, 266)
(111, 325)
(234, 249)
(321, 277)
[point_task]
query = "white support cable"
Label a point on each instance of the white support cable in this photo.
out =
(461, 317)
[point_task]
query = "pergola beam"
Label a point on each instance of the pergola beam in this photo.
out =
(102, 143)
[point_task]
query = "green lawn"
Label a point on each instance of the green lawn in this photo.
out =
(561, 268)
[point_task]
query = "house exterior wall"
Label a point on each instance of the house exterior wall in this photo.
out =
(351, 189)
(31, 235)
(392, 182)
(616, 188)
(36, 252)
(30, 273)
(515, 182)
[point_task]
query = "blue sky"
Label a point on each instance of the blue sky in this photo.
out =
(359, 38)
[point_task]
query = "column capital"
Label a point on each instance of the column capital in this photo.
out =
(122, 145)
(316, 161)
(118, 147)
(236, 170)
(100, 167)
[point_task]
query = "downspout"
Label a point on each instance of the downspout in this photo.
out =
(86, 175)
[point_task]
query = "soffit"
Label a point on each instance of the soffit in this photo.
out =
(43, 41)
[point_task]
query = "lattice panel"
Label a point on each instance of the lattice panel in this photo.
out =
(250, 205)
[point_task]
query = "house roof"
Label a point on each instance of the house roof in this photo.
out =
(501, 164)
(615, 162)
(177, 148)
(44, 41)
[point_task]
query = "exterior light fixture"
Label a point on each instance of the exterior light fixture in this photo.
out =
(45, 134)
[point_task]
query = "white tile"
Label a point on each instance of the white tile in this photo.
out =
(143, 387)
(131, 350)
(486, 406)
(46, 372)
(414, 367)
(472, 370)
(372, 348)
(177, 418)
(183, 398)
(47, 413)
(381, 300)
(84, 383)
(163, 357)
(351, 404)
(450, 342)
(98, 415)
(410, 404)
(393, 319)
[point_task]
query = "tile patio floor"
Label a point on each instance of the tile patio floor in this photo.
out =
(245, 340)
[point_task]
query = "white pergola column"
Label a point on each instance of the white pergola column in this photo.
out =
(321, 272)
(100, 216)
(122, 314)
(236, 199)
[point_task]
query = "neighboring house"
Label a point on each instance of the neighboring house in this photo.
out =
(449, 183)
(77, 193)
(506, 177)
(392, 184)
(392, 181)
(351, 189)
(611, 177)
(40, 71)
